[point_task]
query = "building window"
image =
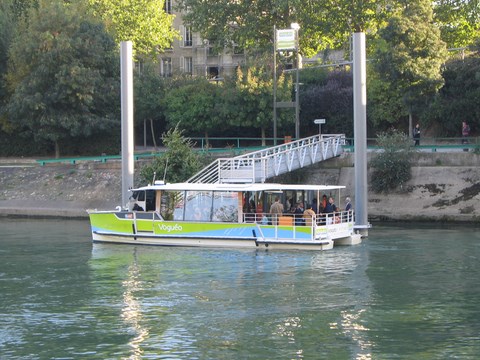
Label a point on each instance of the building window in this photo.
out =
(188, 65)
(212, 72)
(168, 6)
(166, 69)
(187, 36)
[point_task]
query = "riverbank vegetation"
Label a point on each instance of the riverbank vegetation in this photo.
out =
(59, 71)
(391, 167)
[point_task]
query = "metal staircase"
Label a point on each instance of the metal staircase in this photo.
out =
(256, 167)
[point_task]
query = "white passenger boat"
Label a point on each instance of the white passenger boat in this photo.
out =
(224, 215)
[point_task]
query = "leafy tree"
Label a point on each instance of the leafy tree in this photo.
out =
(144, 22)
(392, 166)
(254, 97)
(458, 99)
(385, 103)
(324, 23)
(459, 21)
(193, 106)
(6, 29)
(20, 8)
(149, 94)
(331, 99)
(178, 163)
(409, 55)
(63, 75)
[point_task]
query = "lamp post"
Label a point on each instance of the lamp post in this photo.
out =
(296, 27)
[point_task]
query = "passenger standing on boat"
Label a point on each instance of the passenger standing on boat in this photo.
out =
(288, 204)
(348, 208)
(330, 209)
(276, 209)
(309, 216)
(299, 214)
(348, 204)
(324, 203)
(314, 206)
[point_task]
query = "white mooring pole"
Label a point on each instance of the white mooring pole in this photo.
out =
(126, 61)
(360, 132)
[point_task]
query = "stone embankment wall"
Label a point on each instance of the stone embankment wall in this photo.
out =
(444, 187)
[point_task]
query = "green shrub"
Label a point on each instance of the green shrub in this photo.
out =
(391, 165)
(178, 163)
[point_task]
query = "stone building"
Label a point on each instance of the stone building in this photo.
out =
(196, 56)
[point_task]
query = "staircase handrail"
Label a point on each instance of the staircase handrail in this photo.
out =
(246, 162)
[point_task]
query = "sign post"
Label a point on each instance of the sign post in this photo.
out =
(319, 122)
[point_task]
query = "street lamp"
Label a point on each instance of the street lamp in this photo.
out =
(296, 27)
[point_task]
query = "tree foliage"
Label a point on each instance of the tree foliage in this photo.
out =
(409, 55)
(193, 106)
(459, 21)
(178, 163)
(392, 166)
(62, 74)
(6, 33)
(458, 99)
(323, 24)
(330, 99)
(385, 102)
(150, 90)
(254, 97)
(144, 22)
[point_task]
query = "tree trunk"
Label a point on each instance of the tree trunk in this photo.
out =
(207, 144)
(145, 133)
(410, 124)
(153, 135)
(264, 143)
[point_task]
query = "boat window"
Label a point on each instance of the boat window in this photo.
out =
(138, 195)
(198, 205)
(171, 207)
(150, 200)
(179, 206)
(225, 206)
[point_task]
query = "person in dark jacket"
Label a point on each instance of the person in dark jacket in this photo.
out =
(329, 210)
(331, 207)
(416, 134)
(299, 210)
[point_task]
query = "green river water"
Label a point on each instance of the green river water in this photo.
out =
(407, 292)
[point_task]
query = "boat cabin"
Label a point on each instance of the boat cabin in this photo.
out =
(229, 202)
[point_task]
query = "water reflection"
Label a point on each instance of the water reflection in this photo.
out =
(132, 311)
(347, 268)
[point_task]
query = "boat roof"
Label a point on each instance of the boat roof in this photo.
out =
(267, 187)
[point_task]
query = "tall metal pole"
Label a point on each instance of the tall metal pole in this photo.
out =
(297, 102)
(360, 132)
(274, 85)
(126, 62)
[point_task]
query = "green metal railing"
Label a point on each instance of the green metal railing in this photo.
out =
(234, 146)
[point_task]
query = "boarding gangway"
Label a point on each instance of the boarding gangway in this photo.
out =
(258, 166)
